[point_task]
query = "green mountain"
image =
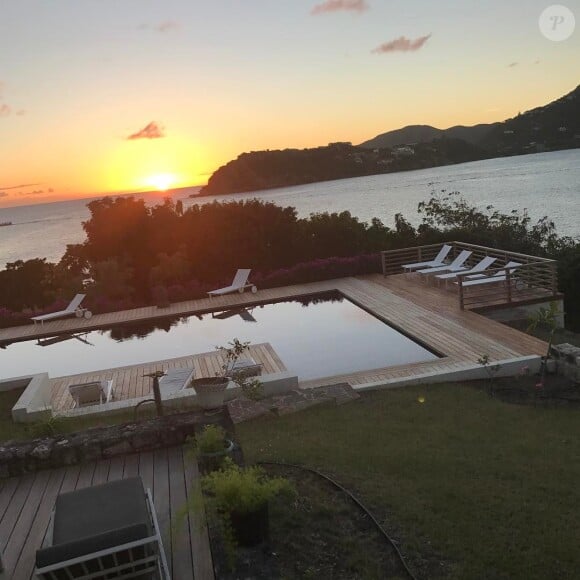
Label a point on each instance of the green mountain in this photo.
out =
(552, 126)
(426, 133)
(548, 128)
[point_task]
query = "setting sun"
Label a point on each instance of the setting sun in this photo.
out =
(162, 181)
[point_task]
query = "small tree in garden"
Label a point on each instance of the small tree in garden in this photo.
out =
(491, 370)
(546, 318)
(251, 386)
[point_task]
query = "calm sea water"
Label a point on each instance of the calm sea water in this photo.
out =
(545, 184)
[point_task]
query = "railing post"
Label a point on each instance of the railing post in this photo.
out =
(553, 267)
(508, 281)
(383, 262)
(461, 300)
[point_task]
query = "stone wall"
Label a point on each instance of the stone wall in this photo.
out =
(17, 458)
(567, 358)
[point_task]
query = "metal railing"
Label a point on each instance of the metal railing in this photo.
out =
(533, 278)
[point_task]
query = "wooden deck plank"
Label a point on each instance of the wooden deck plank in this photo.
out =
(182, 564)
(161, 497)
(12, 514)
(8, 488)
(116, 468)
(131, 468)
(24, 566)
(22, 528)
(198, 533)
(101, 473)
(146, 470)
(86, 475)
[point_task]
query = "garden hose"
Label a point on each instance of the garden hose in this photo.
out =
(355, 500)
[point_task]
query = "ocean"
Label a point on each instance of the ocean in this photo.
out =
(544, 183)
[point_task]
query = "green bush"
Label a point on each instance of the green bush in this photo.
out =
(233, 489)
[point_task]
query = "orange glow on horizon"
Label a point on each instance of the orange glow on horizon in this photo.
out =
(161, 181)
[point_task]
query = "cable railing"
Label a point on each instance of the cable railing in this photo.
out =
(528, 277)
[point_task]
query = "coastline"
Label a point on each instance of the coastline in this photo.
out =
(258, 188)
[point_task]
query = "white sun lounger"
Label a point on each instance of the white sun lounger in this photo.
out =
(95, 393)
(239, 284)
(246, 366)
(501, 276)
(175, 380)
(439, 260)
(479, 267)
(74, 308)
(455, 266)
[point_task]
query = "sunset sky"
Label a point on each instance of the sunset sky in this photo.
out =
(99, 96)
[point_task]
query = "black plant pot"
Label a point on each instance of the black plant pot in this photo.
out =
(251, 528)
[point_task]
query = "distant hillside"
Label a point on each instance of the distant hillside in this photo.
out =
(426, 134)
(552, 126)
(548, 128)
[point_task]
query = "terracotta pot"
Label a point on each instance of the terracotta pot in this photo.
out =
(210, 391)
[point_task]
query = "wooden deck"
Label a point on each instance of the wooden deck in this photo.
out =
(26, 503)
(428, 313)
(431, 315)
(129, 382)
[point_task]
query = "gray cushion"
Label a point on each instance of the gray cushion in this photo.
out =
(63, 552)
(97, 518)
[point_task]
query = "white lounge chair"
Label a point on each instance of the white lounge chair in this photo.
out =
(439, 260)
(501, 276)
(74, 308)
(246, 366)
(239, 284)
(482, 265)
(105, 531)
(175, 380)
(455, 266)
(95, 393)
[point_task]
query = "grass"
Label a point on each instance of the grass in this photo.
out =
(489, 489)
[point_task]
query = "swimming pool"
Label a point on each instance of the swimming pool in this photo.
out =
(315, 337)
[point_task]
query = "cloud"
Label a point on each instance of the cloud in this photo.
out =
(167, 26)
(34, 192)
(150, 131)
(401, 44)
(20, 112)
(20, 186)
(3, 194)
(5, 110)
(513, 64)
(164, 26)
(339, 6)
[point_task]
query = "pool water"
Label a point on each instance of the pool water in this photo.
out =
(320, 337)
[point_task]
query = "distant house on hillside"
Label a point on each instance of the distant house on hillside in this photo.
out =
(403, 151)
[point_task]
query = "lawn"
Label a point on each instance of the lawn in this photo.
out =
(473, 488)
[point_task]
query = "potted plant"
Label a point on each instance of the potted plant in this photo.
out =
(211, 447)
(237, 499)
(211, 390)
